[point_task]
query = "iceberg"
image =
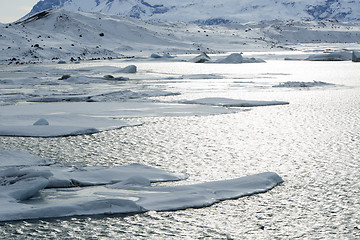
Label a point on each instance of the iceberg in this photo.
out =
(203, 57)
(128, 69)
(356, 56)
(35, 192)
(334, 56)
(238, 58)
(227, 102)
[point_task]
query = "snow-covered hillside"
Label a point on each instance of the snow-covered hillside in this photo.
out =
(213, 12)
(63, 35)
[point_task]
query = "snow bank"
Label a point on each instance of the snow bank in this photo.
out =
(32, 193)
(227, 102)
(238, 58)
(335, 56)
(356, 56)
(303, 84)
(77, 118)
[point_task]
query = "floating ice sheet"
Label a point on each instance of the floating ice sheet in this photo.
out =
(303, 84)
(10, 158)
(77, 118)
(227, 102)
(31, 193)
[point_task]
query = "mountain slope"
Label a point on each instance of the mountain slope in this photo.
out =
(60, 34)
(213, 11)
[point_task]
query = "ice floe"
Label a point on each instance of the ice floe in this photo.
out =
(227, 102)
(77, 118)
(40, 192)
(303, 84)
(108, 69)
(10, 158)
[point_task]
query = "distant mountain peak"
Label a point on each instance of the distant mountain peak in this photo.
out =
(213, 12)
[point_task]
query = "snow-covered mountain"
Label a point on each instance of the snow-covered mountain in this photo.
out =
(60, 34)
(213, 11)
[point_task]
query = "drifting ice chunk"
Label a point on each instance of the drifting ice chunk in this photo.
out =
(335, 56)
(41, 122)
(128, 69)
(356, 56)
(227, 102)
(154, 55)
(203, 57)
(238, 58)
(165, 55)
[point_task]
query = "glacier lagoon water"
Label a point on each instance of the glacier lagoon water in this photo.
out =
(313, 143)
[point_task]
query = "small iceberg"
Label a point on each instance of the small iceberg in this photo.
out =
(356, 56)
(203, 57)
(227, 102)
(238, 58)
(41, 122)
(128, 69)
(334, 56)
(165, 55)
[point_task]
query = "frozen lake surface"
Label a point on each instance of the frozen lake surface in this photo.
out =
(313, 144)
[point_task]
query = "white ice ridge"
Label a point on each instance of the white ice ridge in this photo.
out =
(228, 102)
(30, 192)
(77, 118)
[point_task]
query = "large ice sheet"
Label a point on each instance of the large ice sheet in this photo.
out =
(10, 158)
(78, 118)
(28, 193)
(228, 102)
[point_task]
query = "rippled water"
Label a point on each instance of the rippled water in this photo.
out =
(313, 143)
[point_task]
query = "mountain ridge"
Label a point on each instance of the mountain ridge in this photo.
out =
(212, 12)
